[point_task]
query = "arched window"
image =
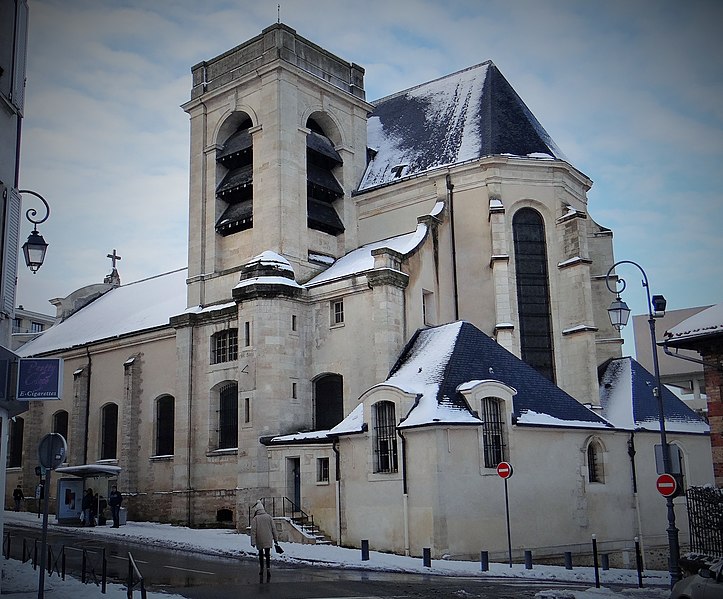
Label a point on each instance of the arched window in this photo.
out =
(235, 189)
(60, 423)
(165, 425)
(228, 416)
(533, 293)
(328, 401)
(384, 437)
(493, 431)
(109, 432)
(595, 471)
(322, 188)
(15, 443)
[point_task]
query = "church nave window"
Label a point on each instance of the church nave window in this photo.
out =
(228, 416)
(109, 432)
(165, 425)
(235, 188)
(15, 442)
(595, 472)
(224, 346)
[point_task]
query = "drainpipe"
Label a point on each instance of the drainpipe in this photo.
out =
(87, 408)
(450, 199)
(405, 494)
(631, 453)
(337, 468)
(189, 441)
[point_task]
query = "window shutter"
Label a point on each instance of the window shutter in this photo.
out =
(10, 251)
(19, 56)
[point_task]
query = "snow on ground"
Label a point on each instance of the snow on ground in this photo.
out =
(22, 581)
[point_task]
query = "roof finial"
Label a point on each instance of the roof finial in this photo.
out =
(278, 14)
(113, 278)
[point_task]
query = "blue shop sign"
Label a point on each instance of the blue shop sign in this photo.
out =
(40, 378)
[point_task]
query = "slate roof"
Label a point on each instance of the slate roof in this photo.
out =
(437, 362)
(464, 116)
(626, 396)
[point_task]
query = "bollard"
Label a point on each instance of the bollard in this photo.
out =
(639, 562)
(528, 559)
(595, 562)
(484, 561)
(568, 560)
(427, 557)
(605, 561)
(365, 550)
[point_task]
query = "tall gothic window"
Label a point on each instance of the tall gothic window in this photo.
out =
(328, 401)
(165, 426)
(533, 293)
(109, 432)
(15, 443)
(493, 432)
(228, 416)
(384, 437)
(236, 190)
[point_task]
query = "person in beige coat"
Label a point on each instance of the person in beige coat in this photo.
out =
(263, 537)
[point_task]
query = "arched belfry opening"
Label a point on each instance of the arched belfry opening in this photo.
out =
(234, 188)
(322, 186)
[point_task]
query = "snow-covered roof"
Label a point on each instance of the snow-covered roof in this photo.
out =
(464, 116)
(628, 403)
(706, 323)
(439, 362)
(361, 260)
(130, 308)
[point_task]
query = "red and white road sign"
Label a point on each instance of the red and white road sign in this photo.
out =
(504, 469)
(666, 485)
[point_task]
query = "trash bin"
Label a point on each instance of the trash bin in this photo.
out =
(123, 516)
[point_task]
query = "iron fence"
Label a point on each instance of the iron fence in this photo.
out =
(705, 514)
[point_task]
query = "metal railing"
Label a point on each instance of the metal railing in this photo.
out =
(283, 507)
(135, 579)
(705, 515)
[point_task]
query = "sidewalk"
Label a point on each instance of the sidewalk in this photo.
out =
(22, 582)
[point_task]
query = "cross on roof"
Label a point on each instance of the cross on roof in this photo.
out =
(114, 257)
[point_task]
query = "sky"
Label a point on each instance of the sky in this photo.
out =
(23, 581)
(632, 92)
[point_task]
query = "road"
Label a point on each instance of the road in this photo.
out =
(196, 576)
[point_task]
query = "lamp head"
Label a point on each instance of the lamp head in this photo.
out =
(34, 250)
(619, 313)
(659, 305)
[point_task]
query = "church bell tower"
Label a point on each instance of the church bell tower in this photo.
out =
(278, 143)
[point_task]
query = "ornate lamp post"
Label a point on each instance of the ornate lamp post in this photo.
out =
(35, 247)
(619, 314)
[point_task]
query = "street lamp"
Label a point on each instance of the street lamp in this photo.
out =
(35, 247)
(619, 314)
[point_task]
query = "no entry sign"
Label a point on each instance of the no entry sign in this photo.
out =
(666, 485)
(504, 469)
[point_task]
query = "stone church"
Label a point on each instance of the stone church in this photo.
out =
(383, 302)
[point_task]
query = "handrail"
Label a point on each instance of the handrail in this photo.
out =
(135, 578)
(288, 509)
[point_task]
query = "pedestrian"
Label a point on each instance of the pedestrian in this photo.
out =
(18, 497)
(263, 537)
(114, 501)
(88, 508)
